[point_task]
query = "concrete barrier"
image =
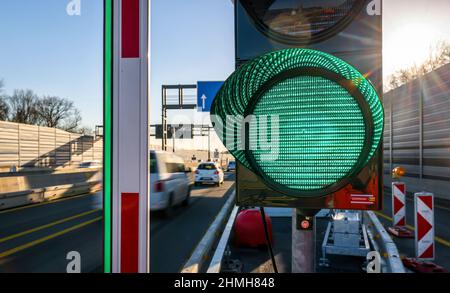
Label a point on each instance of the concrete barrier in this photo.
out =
(18, 191)
(196, 263)
(21, 182)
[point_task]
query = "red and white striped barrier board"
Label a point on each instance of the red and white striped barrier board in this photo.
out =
(398, 204)
(424, 221)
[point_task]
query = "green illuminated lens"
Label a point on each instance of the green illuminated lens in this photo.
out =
(324, 136)
(320, 136)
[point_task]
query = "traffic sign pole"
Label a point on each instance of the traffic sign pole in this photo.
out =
(129, 144)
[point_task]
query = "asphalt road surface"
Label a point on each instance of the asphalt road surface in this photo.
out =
(37, 238)
(173, 240)
(442, 228)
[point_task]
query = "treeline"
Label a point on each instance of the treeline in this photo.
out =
(439, 55)
(24, 106)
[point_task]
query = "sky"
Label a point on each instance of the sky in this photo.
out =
(410, 27)
(44, 49)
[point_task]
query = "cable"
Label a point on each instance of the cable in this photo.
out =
(269, 245)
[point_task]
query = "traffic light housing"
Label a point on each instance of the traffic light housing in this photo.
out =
(304, 127)
(346, 35)
(348, 29)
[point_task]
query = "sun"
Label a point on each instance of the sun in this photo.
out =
(406, 46)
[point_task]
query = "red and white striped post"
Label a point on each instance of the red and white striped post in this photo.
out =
(398, 204)
(130, 195)
(424, 222)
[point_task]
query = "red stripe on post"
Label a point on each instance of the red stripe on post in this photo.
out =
(428, 201)
(401, 187)
(129, 240)
(428, 253)
(423, 227)
(130, 28)
(397, 205)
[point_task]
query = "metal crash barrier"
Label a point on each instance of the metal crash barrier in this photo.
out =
(28, 188)
(383, 243)
(198, 259)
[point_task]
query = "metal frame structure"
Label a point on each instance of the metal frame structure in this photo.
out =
(329, 247)
(180, 105)
(196, 127)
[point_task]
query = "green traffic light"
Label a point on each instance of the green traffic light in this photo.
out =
(325, 120)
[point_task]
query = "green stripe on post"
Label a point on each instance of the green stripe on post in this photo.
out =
(107, 133)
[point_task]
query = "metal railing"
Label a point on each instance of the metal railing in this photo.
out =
(201, 254)
(383, 243)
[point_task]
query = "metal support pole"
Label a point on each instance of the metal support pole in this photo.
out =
(209, 143)
(180, 97)
(303, 244)
(173, 138)
(391, 134)
(164, 118)
(421, 97)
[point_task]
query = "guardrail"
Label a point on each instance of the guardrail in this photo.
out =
(215, 265)
(31, 196)
(383, 243)
(196, 262)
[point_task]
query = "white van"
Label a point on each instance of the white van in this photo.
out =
(169, 182)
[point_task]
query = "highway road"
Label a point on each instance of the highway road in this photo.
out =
(37, 238)
(442, 228)
(173, 240)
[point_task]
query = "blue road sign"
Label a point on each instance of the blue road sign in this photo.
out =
(206, 92)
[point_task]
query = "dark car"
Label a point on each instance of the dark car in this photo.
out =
(231, 166)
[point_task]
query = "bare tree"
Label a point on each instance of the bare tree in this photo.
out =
(26, 107)
(439, 55)
(58, 113)
(72, 122)
(85, 130)
(23, 107)
(4, 107)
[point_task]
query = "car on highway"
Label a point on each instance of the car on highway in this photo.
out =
(209, 173)
(170, 183)
(231, 166)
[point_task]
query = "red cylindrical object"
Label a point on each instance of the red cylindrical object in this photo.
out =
(249, 229)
